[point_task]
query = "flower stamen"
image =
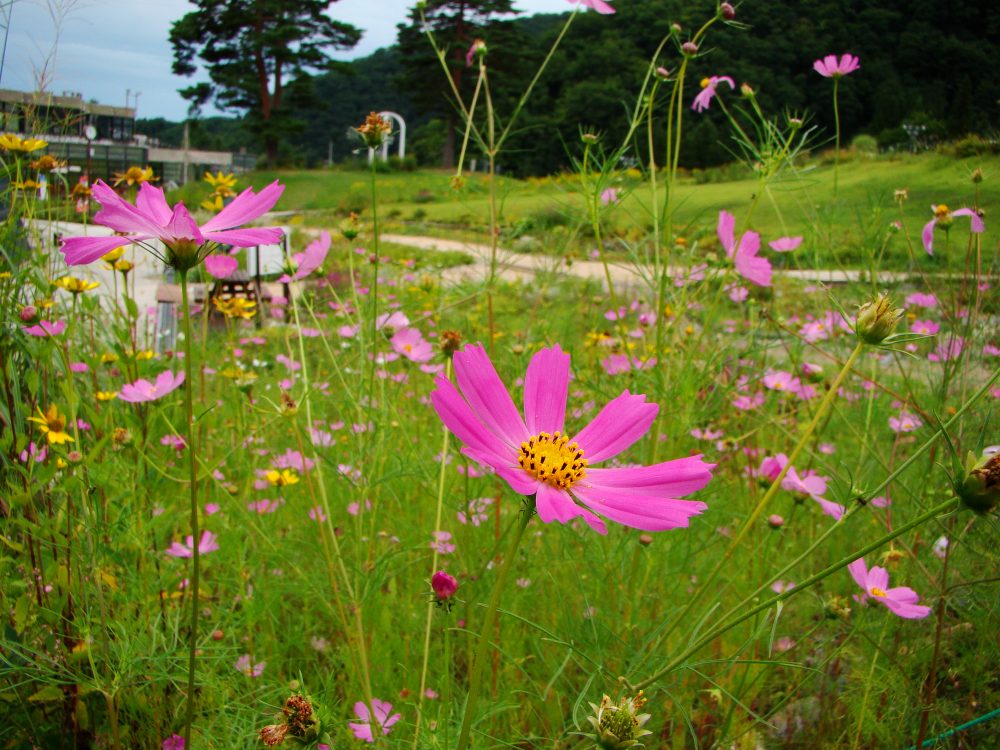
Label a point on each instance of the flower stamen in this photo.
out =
(552, 459)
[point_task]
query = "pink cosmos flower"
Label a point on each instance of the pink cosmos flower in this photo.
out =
(922, 300)
(152, 218)
(245, 665)
(207, 544)
(744, 255)
(442, 543)
(785, 244)
(535, 457)
(221, 266)
(173, 742)
(599, 5)
(926, 327)
(780, 381)
(947, 350)
(363, 729)
(411, 344)
(444, 585)
(707, 93)
(142, 390)
(901, 601)
(905, 422)
(944, 218)
(609, 195)
(45, 328)
(831, 67)
(309, 260)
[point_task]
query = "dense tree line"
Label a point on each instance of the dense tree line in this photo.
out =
(923, 63)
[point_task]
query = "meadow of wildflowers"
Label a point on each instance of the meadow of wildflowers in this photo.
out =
(716, 506)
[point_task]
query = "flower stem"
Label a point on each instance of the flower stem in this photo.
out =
(945, 507)
(482, 648)
(195, 535)
(836, 153)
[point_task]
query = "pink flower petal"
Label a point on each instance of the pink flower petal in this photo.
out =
(221, 266)
(245, 207)
(486, 394)
(79, 251)
(546, 386)
(618, 425)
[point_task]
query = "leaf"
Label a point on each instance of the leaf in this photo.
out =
(47, 694)
(22, 610)
(132, 307)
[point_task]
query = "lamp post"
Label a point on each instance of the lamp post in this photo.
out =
(90, 133)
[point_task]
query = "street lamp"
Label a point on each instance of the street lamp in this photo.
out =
(90, 133)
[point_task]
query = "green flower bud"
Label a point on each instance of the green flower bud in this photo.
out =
(876, 320)
(980, 489)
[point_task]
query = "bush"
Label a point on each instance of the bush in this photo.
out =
(865, 144)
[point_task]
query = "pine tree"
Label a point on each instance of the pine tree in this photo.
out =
(258, 55)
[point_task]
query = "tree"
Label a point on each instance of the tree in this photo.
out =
(455, 25)
(258, 55)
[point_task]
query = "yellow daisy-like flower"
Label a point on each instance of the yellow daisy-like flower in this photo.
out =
(26, 185)
(135, 176)
(106, 395)
(113, 255)
(53, 425)
(281, 478)
(47, 163)
(123, 265)
(73, 285)
(141, 355)
(236, 307)
(223, 185)
(109, 358)
(214, 204)
(11, 142)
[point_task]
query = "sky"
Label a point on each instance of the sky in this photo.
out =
(105, 49)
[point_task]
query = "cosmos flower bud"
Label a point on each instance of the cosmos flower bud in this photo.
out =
(617, 727)
(727, 11)
(747, 91)
(645, 539)
(663, 74)
(877, 319)
(977, 175)
(589, 139)
(29, 314)
(795, 123)
(444, 585)
(775, 521)
(980, 489)
(689, 48)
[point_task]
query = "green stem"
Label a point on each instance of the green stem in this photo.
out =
(836, 153)
(482, 648)
(434, 562)
(945, 507)
(195, 533)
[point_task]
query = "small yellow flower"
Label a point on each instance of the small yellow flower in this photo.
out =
(26, 185)
(74, 285)
(223, 185)
(281, 478)
(47, 163)
(109, 358)
(213, 203)
(113, 255)
(53, 425)
(11, 142)
(236, 307)
(141, 355)
(106, 395)
(123, 265)
(135, 176)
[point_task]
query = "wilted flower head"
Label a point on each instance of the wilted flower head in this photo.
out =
(707, 93)
(980, 488)
(374, 130)
(944, 219)
(617, 727)
(877, 319)
(477, 50)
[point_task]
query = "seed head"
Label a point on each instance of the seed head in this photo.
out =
(617, 727)
(450, 342)
(374, 130)
(980, 489)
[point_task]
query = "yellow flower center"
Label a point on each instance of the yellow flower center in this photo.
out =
(876, 591)
(941, 211)
(553, 459)
(705, 82)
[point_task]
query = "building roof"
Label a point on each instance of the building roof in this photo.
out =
(66, 100)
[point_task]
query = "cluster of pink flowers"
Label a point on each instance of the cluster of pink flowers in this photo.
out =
(808, 484)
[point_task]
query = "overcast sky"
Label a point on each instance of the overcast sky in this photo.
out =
(106, 47)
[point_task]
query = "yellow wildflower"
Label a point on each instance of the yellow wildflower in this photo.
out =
(135, 176)
(53, 425)
(106, 395)
(11, 142)
(281, 478)
(73, 285)
(236, 307)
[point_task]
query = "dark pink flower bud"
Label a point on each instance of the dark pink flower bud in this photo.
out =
(444, 585)
(727, 11)
(689, 48)
(29, 314)
(775, 521)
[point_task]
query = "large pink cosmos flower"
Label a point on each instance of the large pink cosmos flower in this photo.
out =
(599, 5)
(142, 390)
(363, 730)
(45, 328)
(152, 218)
(831, 67)
(901, 601)
(744, 255)
(944, 218)
(535, 457)
(707, 93)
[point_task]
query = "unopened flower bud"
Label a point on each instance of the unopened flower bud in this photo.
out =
(747, 91)
(217, 635)
(589, 139)
(444, 585)
(663, 74)
(977, 175)
(450, 341)
(876, 320)
(617, 727)
(645, 539)
(980, 489)
(727, 11)
(29, 314)
(675, 28)
(689, 48)
(775, 521)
